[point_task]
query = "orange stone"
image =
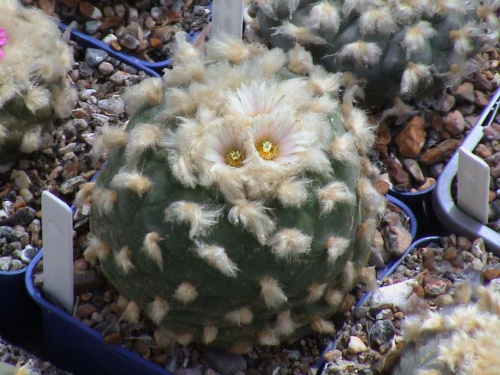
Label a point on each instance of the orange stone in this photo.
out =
(412, 138)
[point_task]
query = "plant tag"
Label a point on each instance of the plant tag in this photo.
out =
(227, 17)
(473, 180)
(57, 224)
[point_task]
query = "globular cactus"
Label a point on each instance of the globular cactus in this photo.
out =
(34, 91)
(402, 48)
(462, 338)
(236, 207)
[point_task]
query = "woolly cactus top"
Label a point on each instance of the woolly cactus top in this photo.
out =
(413, 42)
(237, 206)
(33, 68)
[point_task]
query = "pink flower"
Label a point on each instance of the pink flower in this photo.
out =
(3, 40)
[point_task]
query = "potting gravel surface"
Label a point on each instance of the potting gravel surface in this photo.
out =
(64, 165)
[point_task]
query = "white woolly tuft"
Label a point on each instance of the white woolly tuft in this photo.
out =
(290, 243)
(357, 123)
(241, 347)
(148, 91)
(284, 324)
(315, 160)
(332, 194)
(293, 193)
(96, 249)
(132, 312)
(178, 102)
(377, 21)
(300, 60)
(370, 197)
(407, 10)
(445, 7)
(157, 310)
(163, 337)
(301, 35)
(363, 54)
(335, 247)
(323, 104)
(323, 326)
(134, 181)
(83, 194)
(184, 339)
(209, 334)
(114, 136)
(225, 47)
(181, 169)
(414, 76)
(323, 82)
(199, 217)
(343, 148)
(359, 6)
(315, 292)
(152, 249)
(31, 140)
(348, 276)
(462, 40)
(333, 297)
(272, 61)
(268, 337)
(186, 292)
(103, 200)
(216, 256)
(184, 50)
(123, 259)
(3, 134)
(416, 37)
(142, 138)
(271, 292)
(37, 98)
(253, 217)
(180, 75)
(239, 316)
(323, 15)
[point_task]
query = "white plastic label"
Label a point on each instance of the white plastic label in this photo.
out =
(57, 224)
(473, 182)
(227, 17)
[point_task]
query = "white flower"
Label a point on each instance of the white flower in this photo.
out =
(255, 100)
(276, 140)
(226, 148)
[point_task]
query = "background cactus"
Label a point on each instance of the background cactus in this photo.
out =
(398, 47)
(237, 206)
(33, 87)
(459, 339)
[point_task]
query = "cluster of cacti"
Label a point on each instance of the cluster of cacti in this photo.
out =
(462, 338)
(396, 47)
(33, 87)
(237, 207)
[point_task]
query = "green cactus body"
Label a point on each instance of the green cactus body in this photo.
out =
(34, 91)
(234, 209)
(397, 48)
(458, 339)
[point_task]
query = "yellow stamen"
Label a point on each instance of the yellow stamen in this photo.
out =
(267, 150)
(234, 158)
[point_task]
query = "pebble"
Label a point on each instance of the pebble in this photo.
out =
(465, 92)
(223, 362)
(93, 57)
(454, 123)
(440, 152)
(414, 169)
(106, 68)
(381, 331)
(395, 295)
(113, 105)
(412, 138)
(356, 345)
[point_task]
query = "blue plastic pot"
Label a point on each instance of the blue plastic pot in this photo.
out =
(20, 317)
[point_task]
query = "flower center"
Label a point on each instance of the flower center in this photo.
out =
(267, 150)
(234, 158)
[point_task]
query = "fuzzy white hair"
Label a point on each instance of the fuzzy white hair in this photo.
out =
(271, 292)
(301, 35)
(363, 54)
(114, 136)
(415, 39)
(184, 339)
(186, 292)
(323, 326)
(225, 47)
(377, 21)
(370, 197)
(323, 15)
(239, 316)
(3, 134)
(343, 148)
(37, 98)
(332, 194)
(333, 297)
(253, 217)
(270, 62)
(103, 200)
(315, 292)
(83, 194)
(268, 336)
(217, 257)
(209, 334)
(132, 312)
(157, 310)
(134, 181)
(359, 5)
(414, 76)
(284, 324)
(200, 218)
(462, 40)
(293, 192)
(152, 249)
(289, 243)
(300, 60)
(181, 75)
(142, 137)
(96, 249)
(31, 140)
(348, 276)
(335, 247)
(324, 82)
(163, 337)
(149, 90)
(123, 260)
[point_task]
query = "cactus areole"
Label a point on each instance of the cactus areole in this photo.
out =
(234, 209)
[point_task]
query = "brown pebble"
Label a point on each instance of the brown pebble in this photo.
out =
(115, 45)
(429, 264)
(435, 286)
(482, 151)
(491, 274)
(419, 291)
(383, 134)
(86, 297)
(429, 181)
(399, 315)
(412, 138)
(155, 43)
(19, 203)
(142, 348)
(86, 310)
(382, 187)
(81, 265)
(113, 338)
(450, 253)
(332, 355)
(440, 152)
